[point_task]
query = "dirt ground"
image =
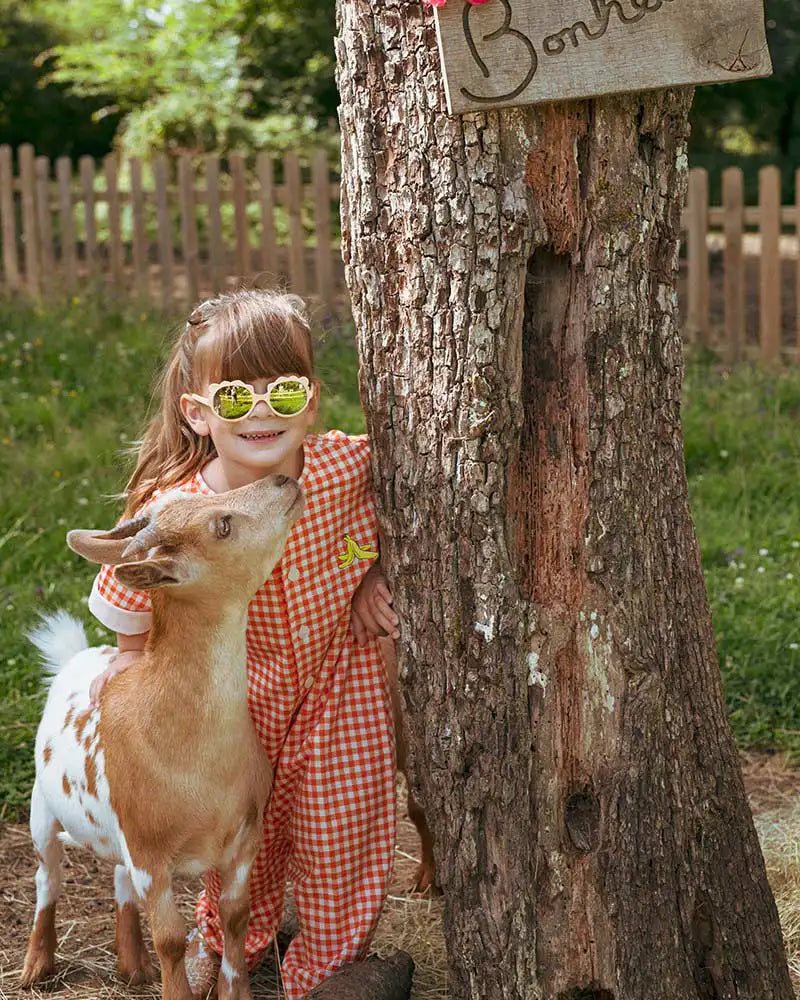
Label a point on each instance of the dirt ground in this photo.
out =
(86, 924)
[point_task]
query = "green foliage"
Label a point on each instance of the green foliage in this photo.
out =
(290, 61)
(57, 122)
(212, 76)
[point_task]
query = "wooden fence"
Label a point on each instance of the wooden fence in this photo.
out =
(741, 280)
(182, 227)
(170, 231)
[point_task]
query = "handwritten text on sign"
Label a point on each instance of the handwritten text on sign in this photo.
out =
(525, 51)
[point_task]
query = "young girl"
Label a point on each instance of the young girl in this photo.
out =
(318, 692)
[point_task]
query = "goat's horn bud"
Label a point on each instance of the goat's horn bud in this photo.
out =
(127, 528)
(144, 540)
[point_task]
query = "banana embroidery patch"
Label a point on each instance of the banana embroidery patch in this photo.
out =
(354, 551)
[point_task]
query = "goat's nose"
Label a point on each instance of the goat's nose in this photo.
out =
(282, 480)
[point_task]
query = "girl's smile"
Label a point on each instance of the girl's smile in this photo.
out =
(261, 435)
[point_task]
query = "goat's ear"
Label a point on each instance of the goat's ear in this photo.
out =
(97, 547)
(149, 573)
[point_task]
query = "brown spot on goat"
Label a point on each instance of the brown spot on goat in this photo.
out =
(68, 718)
(80, 723)
(47, 753)
(90, 768)
(66, 785)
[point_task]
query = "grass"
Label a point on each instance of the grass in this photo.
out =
(74, 386)
(743, 457)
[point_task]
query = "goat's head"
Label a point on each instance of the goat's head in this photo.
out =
(189, 541)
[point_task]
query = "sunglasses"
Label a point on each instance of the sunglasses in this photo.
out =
(287, 396)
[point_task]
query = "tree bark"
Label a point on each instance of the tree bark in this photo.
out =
(512, 277)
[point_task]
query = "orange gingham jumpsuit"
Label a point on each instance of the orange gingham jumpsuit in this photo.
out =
(329, 826)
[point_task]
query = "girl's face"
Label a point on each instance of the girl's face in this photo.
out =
(260, 444)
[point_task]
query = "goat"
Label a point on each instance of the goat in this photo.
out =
(425, 875)
(166, 774)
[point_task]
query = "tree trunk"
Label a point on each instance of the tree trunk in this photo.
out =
(513, 284)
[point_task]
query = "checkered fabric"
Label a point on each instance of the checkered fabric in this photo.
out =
(322, 709)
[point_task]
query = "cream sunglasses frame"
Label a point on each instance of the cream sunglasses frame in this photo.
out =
(257, 397)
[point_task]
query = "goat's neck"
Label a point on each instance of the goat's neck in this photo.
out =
(201, 647)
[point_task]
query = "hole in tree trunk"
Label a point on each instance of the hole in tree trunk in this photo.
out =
(581, 820)
(707, 950)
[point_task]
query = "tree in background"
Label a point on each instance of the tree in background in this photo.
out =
(289, 58)
(57, 122)
(200, 77)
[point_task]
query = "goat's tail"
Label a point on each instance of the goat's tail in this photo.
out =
(58, 638)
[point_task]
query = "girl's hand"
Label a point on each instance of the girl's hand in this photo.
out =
(119, 662)
(370, 611)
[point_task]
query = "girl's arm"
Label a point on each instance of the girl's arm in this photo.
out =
(129, 650)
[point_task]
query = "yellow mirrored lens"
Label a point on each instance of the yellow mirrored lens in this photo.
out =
(288, 398)
(232, 401)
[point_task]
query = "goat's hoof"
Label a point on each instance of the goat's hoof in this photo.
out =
(425, 881)
(38, 967)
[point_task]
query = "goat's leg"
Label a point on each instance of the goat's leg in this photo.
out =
(133, 962)
(40, 958)
(169, 931)
(234, 912)
(425, 875)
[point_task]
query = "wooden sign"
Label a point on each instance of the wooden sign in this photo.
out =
(507, 52)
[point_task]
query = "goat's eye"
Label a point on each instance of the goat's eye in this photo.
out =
(223, 526)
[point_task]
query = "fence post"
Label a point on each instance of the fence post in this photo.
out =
(322, 225)
(266, 193)
(293, 196)
(734, 277)
(243, 264)
(45, 222)
(216, 248)
(697, 255)
(66, 222)
(769, 214)
(191, 257)
(30, 226)
(86, 167)
(115, 249)
(140, 261)
(9, 228)
(165, 255)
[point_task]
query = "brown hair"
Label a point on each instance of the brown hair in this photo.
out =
(242, 335)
